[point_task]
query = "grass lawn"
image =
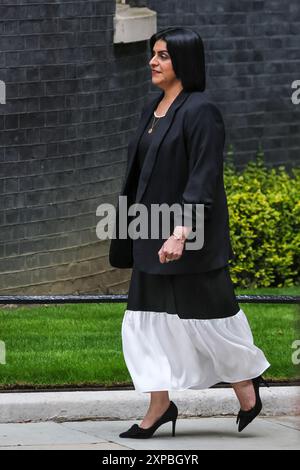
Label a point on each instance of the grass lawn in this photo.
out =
(80, 344)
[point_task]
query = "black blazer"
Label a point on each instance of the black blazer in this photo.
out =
(183, 164)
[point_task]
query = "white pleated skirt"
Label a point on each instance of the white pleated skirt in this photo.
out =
(164, 350)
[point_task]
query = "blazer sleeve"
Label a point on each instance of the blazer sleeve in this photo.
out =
(204, 140)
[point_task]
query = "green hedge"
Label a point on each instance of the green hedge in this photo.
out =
(264, 211)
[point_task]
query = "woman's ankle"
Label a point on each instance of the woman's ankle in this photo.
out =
(245, 394)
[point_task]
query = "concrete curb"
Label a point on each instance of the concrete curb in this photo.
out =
(130, 404)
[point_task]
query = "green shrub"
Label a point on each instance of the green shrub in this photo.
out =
(264, 211)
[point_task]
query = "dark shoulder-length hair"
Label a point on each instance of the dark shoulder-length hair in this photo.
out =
(186, 50)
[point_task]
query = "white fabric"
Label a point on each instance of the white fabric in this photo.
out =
(164, 352)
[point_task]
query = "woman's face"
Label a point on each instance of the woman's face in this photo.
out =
(162, 71)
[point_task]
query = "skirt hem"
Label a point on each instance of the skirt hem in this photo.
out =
(200, 387)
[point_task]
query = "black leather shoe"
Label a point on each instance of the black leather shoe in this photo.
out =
(245, 417)
(136, 432)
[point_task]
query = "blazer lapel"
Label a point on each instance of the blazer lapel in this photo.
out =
(157, 138)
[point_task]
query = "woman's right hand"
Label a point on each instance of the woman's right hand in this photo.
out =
(171, 250)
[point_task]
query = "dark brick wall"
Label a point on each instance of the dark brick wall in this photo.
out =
(73, 101)
(252, 56)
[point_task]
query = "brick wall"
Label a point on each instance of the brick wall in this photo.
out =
(73, 101)
(252, 56)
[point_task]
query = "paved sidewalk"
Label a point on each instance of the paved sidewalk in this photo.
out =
(94, 420)
(281, 433)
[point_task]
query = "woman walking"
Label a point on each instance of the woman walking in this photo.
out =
(183, 327)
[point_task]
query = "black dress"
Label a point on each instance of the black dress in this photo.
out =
(185, 330)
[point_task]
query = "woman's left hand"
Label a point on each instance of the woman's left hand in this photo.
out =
(171, 250)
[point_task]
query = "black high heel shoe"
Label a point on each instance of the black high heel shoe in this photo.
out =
(137, 432)
(245, 417)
